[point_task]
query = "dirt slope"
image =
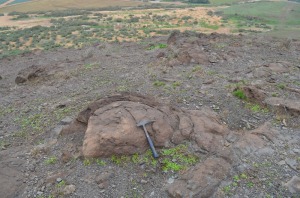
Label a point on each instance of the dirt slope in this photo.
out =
(53, 87)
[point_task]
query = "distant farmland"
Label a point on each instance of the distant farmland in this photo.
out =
(18, 1)
(44, 5)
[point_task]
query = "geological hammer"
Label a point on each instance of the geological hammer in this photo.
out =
(143, 123)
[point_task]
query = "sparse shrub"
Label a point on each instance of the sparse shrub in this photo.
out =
(281, 86)
(158, 83)
(185, 18)
(100, 162)
(51, 160)
(87, 162)
(158, 46)
(119, 20)
(240, 94)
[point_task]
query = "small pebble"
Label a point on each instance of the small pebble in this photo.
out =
(170, 180)
(39, 193)
(143, 181)
(282, 162)
(296, 150)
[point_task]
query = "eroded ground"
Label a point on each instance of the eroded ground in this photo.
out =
(42, 91)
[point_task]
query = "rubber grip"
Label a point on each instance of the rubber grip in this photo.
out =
(154, 153)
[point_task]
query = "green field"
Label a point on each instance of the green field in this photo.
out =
(224, 2)
(281, 17)
(45, 5)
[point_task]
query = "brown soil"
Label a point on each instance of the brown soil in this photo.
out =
(7, 21)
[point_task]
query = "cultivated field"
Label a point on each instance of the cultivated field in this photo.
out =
(44, 5)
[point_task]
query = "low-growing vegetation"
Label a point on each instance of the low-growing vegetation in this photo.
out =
(78, 28)
(240, 94)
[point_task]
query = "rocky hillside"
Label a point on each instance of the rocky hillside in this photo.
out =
(224, 111)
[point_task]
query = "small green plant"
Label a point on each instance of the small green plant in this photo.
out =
(243, 176)
(211, 72)
(250, 184)
(149, 159)
(227, 189)
(87, 162)
(61, 184)
(240, 94)
(119, 160)
(88, 66)
(51, 160)
(236, 178)
(122, 88)
(158, 83)
(158, 46)
(3, 144)
(255, 108)
(197, 68)
(100, 162)
(256, 165)
(135, 158)
(176, 84)
(177, 158)
(169, 165)
(281, 86)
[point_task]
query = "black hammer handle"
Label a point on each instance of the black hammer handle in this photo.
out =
(155, 155)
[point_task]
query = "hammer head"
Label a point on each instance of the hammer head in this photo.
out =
(144, 122)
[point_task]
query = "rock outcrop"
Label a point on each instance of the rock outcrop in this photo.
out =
(109, 128)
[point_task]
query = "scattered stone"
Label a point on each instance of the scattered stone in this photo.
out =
(88, 53)
(202, 180)
(39, 193)
(31, 167)
(44, 148)
(30, 73)
(66, 156)
(69, 189)
(296, 150)
(294, 185)
(255, 142)
(292, 163)
(207, 82)
(143, 181)
(213, 59)
(66, 121)
(285, 105)
(277, 67)
(261, 72)
(103, 179)
(282, 162)
(20, 79)
(58, 180)
(161, 55)
(170, 180)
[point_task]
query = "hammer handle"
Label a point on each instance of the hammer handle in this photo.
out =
(155, 155)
